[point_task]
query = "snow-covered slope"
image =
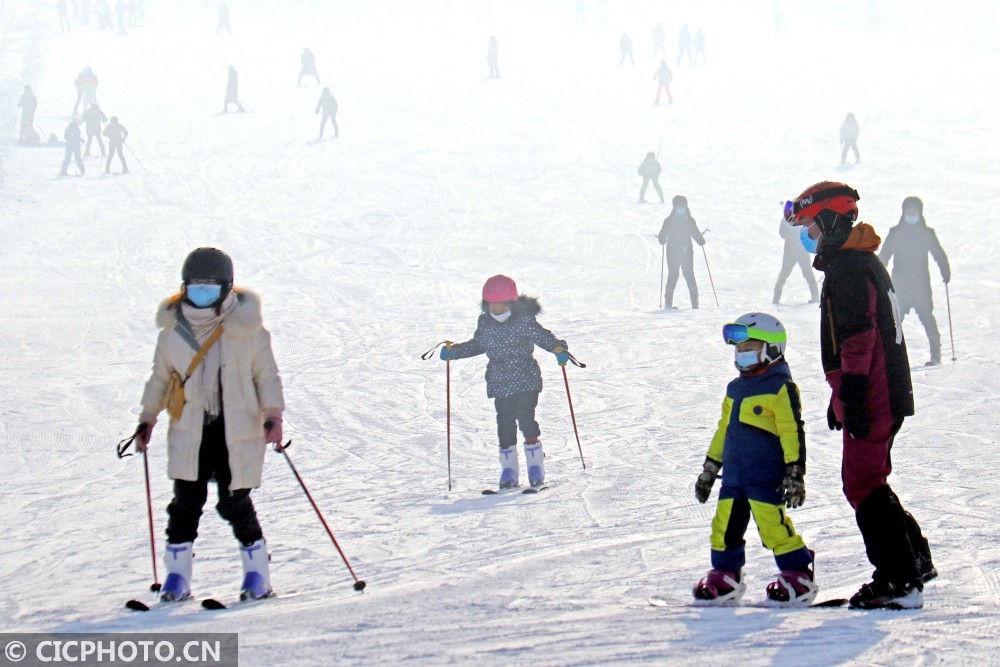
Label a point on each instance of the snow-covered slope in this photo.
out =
(369, 249)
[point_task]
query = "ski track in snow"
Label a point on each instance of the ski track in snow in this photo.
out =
(370, 248)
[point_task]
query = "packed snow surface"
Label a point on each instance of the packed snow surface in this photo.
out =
(371, 248)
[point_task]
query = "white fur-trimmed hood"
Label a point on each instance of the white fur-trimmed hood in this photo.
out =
(244, 320)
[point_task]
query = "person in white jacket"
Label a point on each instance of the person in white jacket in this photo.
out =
(233, 408)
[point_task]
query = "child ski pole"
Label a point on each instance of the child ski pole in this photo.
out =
(425, 356)
(951, 333)
(569, 397)
(709, 269)
(122, 448)
(663, 256)
(359, 584)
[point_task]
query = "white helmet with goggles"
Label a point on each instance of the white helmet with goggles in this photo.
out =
(758, 326)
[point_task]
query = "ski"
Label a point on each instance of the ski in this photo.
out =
(535, 489)
(139, 605)
(500, 492)
(663, 601)
(214, 604)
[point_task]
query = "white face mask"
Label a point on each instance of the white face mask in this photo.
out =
(912, 219)
(502, 317)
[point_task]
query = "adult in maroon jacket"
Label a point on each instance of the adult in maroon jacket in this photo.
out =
(864, 358)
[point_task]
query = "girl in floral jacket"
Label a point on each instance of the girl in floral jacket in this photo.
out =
(507, 333)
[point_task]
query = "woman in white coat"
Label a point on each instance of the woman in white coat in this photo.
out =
(233, 408)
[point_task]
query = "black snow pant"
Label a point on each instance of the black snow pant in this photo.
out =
(792, 257)
(112, 150)
(100, 142)
(516, 409)
(72, 152)
(645, 184)
(234, 505)
(675, 266)
(850, 145)
(333, 121)
(924, 306)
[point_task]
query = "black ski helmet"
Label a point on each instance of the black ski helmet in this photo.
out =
(208, 264)
(913, 202)
(679, 201)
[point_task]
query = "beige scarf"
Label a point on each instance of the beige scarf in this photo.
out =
(203, 323)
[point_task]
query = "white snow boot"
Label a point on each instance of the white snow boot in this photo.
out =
(178, 559)
(256, 571)
(534, 460)
(508, 467)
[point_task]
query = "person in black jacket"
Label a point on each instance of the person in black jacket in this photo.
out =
(328, 104)
(116, 134)
(28, 104)
(678, 230)
(93, 118)
(73, 141)
(650, 170)
(507, 332)
(308, 66)
(232, 91)
(910, 242)
(864, 357)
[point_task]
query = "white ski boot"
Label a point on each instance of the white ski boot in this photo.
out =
(534, 459)
(178, 559)
(509, 467)
(256, 571)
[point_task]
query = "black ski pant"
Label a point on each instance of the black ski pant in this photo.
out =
(100, 142)
(676, 266)
(513, 411)
(645, 184)
(113, 149)
(791, 258)
(925, 312)
(850, 145)
(333, 121)
(234, 505)
(72, 152)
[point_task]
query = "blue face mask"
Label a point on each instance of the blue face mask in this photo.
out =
(912, 219)
(681, 210)
(809, 243)
(748, 359)
(203, 296)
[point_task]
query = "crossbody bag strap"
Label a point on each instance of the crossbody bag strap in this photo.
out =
(203, 351)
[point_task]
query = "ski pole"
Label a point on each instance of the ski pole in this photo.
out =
(130, 152)
(425, 356)
(569, 397)
(709, 269)
(121, 449)
(951, 333)
(663, 256)
(281, 449)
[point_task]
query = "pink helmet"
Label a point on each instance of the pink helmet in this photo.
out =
(499, 289)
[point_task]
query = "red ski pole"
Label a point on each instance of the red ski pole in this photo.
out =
(358, 584)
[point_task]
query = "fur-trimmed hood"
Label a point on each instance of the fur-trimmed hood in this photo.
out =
(525, 305)
(245, 318)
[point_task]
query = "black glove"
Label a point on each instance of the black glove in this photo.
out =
(831, 418)
(703, 487)
(793, 486)
(854, 394)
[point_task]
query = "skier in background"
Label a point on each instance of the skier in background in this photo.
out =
(677, 232)
(234, 406)
(491, 57)
(73, 141)
(849, 132)
(223, 19)
(684, 45)
(86, 89)
(63, 11)
(308, 66)
(659, 40)
(663, 78)
(507, 333)
(794, 254)
(863, 353)
(328, 104)
(699, 47)
(28, 105)
(120, 11)
(116, 134)
(910, 241)
(625, 47)
(232, 92)
(761, 444)
(93, 118)
(650, 170)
